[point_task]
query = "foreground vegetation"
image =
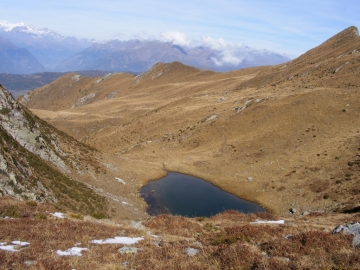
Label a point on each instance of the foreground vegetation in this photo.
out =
(225, 241)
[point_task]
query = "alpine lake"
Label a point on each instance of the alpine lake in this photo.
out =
(185, 195)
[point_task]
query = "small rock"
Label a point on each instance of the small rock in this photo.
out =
(250, 178)
(137, 225)
(128, 250)
(292, 210)
(284, 259)
(29, 263)
(191, 251)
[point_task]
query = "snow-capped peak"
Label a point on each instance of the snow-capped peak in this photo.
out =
(24, 27)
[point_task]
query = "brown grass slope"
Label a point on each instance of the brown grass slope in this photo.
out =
(327, 65)
(285, 136)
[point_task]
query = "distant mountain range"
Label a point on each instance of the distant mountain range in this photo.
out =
(139, 56)
(49, 47)
(51, 51)
(17, 60)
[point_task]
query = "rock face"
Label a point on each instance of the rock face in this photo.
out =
(16, 176)
(23, 129)
(37, 162)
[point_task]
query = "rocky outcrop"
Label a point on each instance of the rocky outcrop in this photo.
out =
(21, 126)
(351, 228)
(38, 162)
(18, 134)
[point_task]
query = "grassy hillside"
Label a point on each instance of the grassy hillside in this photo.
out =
(292, 129)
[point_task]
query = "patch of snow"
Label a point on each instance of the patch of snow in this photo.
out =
(120, 180)
(119, 240)
(24, 27)
(8, 247)
(268, 222)
(74, 251)
(19, 243)
(58, 215)
(13, 246)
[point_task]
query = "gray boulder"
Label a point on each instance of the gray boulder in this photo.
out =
(351, 228)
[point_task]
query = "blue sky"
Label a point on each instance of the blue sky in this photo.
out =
(284, 26)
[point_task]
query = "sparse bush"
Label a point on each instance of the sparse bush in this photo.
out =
(41, 216)
(31, 203)
(10, 211)
(4, 110)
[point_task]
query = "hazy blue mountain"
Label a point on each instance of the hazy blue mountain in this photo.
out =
(17, 60)
(139, 56)
(49, 47)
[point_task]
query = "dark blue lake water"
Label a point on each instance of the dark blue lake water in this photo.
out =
(185, 195)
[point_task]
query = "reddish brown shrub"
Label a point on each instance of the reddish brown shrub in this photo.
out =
(174, 225)
(237, 256)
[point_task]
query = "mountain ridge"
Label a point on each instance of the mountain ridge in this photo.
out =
(139, 56)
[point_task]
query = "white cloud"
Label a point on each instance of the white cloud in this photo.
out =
(216, 44)
(229, 57)
(177, 38)
(229, 53)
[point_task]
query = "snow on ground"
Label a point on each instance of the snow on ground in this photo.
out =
(58, 215)
(152, 235)
(74, 251)
(268, 222)
(14, 246)
(119, 240)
